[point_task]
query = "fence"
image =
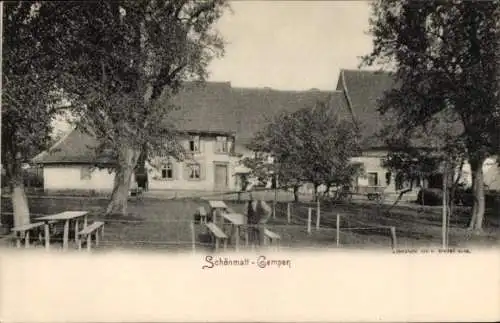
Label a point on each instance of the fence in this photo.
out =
(165, 222)
(299, 227)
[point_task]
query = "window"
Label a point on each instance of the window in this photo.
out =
(194, 171)
(221, 144)
(167, 171)
(194, 144)
(85, 173)
(372, 179)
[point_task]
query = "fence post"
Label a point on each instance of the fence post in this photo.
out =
(318, 216)
(288, 213)
(338, 230)
(318, 207)
(274, 209)
(193, 237)
(309, 214)
(393, 237)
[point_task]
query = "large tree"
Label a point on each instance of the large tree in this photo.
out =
(311, 145)
(128, 59)
(29, 94)
(445, 57)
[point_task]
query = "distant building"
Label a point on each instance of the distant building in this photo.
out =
(362, 89)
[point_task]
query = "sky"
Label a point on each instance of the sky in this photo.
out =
(291, 45)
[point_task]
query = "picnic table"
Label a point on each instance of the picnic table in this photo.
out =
(237, 220)
(217, 206)
(66, 216)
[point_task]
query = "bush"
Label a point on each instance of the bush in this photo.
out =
(434, 196)
(430, 196)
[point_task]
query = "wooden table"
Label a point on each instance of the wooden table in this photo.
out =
(216, 205)
(237, 220)
(66, 217)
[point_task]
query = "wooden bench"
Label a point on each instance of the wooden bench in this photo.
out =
(95, 228)
(23, 233)
(273, 237)
(217, 234)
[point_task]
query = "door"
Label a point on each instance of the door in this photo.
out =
(220, 177)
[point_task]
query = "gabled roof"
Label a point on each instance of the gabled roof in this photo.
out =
(218, 106)
(75, 148)
(210, 108)
(362, 90)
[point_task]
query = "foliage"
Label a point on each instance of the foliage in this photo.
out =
(310, 145)
(28, 96)
(129, 58)
(122, 63)
(445, 59)
(412, 163)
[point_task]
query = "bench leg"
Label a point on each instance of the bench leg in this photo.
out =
(216, 244)
(27, 240)
(80, 243)
(66, 235)
(97, 238)
(89, 241)
(77, 225)
(47, 236)
(40, 236)
(225, 244)
(18, 240)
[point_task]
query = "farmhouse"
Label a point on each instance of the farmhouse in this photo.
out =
(215, 121)
(362, 89)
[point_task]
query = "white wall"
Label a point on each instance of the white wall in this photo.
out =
(372, 162)
(207, 158)
(63, 177)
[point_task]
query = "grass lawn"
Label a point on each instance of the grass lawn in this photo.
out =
(165, 224)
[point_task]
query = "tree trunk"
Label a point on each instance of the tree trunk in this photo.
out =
(478, 207)
(125, 168)
(296, 193)
(453, 190)
(18, 195)
(19, 202)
